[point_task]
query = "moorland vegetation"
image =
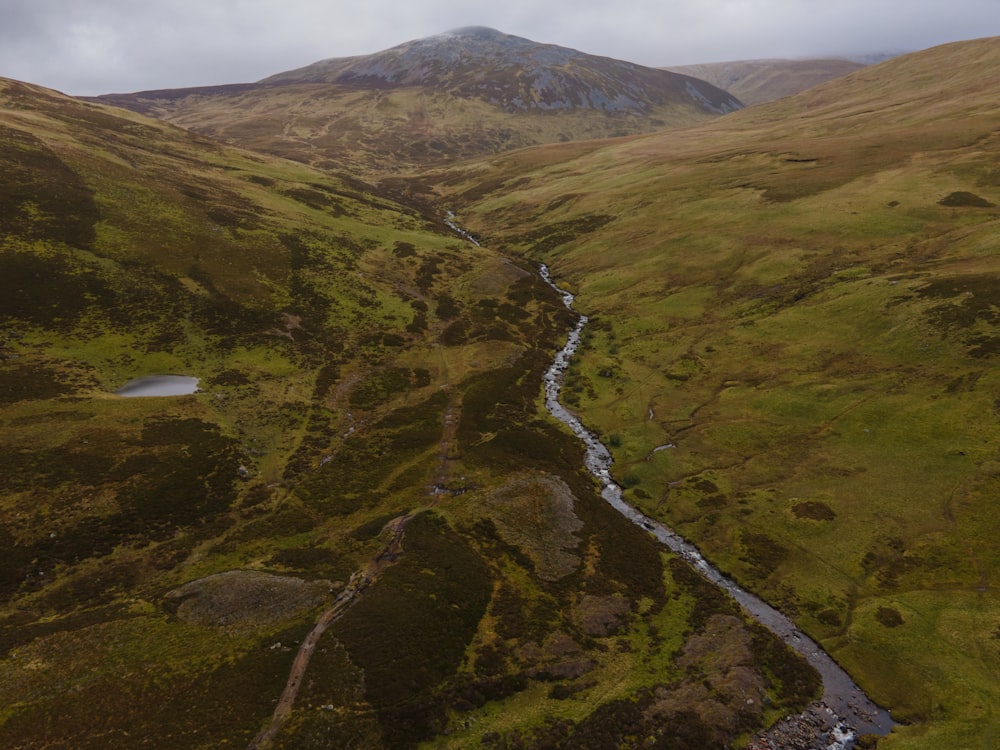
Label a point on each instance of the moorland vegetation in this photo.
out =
(800, 301)
(358, 363)
(793, 327)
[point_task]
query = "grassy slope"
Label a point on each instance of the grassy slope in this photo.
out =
(801, 298)
(136, 248)
(386, 131)
(351, 353)
(759, 81)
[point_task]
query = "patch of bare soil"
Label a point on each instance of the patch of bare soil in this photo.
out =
(601, 616)
(559, 657)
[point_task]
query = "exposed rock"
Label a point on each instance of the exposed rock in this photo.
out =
(516, 74)
(246, 599)
(816, 728)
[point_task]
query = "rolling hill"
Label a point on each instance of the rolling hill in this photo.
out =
(469, 92)
(759, 81)
(362, 529)
(793, 354)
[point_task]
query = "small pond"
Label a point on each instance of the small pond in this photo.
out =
(159, 385)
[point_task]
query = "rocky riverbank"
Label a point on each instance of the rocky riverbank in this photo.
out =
(816, 728)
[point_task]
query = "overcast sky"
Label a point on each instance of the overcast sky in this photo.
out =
(87, 47)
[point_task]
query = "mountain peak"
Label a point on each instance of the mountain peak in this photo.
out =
(516, 74)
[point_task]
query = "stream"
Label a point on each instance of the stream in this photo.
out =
(851, 711)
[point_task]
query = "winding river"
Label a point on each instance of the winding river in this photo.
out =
(852, 712)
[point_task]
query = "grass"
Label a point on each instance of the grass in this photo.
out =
(279, 288)
(789, 355)
(396, 131)
(802, 305)
(956, 690)
(334, 334)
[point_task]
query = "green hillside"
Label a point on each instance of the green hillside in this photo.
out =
(793, 356)
(365, 467)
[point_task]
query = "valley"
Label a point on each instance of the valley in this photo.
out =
(370, 526)
(851, 712)
(762, 304)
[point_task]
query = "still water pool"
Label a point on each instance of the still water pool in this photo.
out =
(159, 385)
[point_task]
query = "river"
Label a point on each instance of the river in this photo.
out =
(853, 712)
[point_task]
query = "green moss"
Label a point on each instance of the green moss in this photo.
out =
(224, 704)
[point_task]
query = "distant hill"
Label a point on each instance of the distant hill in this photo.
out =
(469, 92)
(758, 81)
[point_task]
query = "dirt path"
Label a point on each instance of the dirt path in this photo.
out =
(360, 581)
(447, 446)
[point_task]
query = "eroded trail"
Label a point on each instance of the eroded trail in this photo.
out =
(360, 581)
(448, 446)
(850, 711)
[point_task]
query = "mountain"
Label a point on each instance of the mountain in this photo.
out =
(469, 92)
(794, 345)
(515, 74)
(758, 81)
(363, 500)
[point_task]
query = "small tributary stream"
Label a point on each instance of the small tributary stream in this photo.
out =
(854, 711)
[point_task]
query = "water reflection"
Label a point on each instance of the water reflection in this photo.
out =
(159, 385)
